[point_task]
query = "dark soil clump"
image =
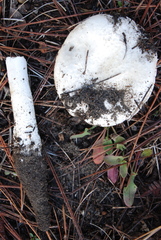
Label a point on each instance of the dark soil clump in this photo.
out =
(95, 101)
(32, 174)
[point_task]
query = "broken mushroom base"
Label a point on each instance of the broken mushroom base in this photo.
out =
(32, 172)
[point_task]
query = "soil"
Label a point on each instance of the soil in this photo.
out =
(95, 98)
(32, 172)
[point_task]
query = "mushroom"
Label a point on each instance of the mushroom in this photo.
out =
(105, 70)
(27, 147)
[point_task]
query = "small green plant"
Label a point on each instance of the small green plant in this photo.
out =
(130, 190)
(116, 141)
(7, 172)
(118, 165)
(119, 3)
(117, 160)
(33, 237)
(108, 149)
(86, 132)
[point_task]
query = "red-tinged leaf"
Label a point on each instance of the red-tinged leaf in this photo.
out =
(129, 191)
(98, 152)
(113, 174)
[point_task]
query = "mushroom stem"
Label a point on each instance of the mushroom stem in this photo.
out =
(27, 152)
(25, 131)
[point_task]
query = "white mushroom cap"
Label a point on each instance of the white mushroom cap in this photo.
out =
(103, 72)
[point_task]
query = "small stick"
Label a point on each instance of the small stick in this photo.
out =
(86, 62)
(138, 105)
(125, 41)
(27, 152)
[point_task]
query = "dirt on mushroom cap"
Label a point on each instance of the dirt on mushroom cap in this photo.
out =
(96, 108)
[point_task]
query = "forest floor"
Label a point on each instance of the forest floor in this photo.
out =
(85, 203)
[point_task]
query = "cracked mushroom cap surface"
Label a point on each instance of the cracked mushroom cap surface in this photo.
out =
(105, 70)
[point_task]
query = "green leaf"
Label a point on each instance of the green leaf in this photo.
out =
(83, 134)
(130, 190)
(33, 237)
(117, 140)
(107, 145)
(114, 160)
(6, 172)
(123, 170)
(120, 146)
(119, 3)
(147, 152)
